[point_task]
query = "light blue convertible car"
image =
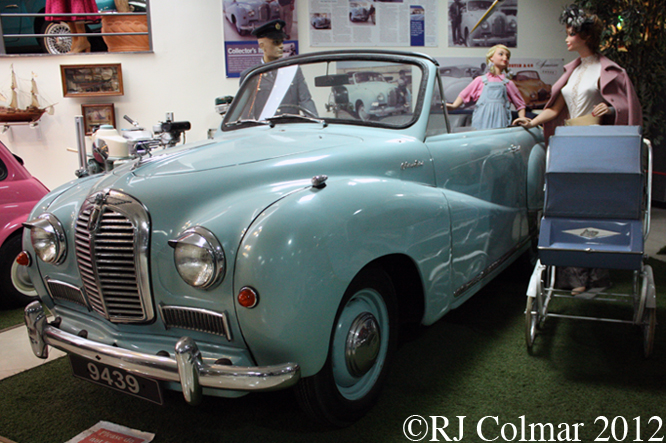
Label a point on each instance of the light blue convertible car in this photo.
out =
(289, 250)
(246, 15)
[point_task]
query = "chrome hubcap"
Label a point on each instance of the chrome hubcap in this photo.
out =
(363, 344)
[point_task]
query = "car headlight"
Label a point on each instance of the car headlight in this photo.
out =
(381, 97)
(48, 238)
(199, 257)
(485, 26)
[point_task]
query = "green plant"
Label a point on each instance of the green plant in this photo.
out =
(634, 36)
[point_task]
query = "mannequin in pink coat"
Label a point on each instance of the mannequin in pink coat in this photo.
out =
(592, 90)
(592, 85)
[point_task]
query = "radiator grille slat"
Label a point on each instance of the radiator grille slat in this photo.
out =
(110, 259)
(196, 319)
(61, 291)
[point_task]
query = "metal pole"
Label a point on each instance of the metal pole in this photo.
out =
(81, 146)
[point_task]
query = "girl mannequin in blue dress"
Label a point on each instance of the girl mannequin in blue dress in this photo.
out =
(493, 93)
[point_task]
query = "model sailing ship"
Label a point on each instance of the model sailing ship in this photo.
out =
(13, 113)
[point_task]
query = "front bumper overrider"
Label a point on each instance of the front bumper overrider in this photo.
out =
(187, 368)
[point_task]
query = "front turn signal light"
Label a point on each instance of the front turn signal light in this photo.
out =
(248, 297)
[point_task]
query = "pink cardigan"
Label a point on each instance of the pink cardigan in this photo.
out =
(616, 89)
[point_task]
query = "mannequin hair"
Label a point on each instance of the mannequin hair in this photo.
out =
(490, 53)
(588, 26)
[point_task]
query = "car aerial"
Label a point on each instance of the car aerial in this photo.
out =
(320, 21)
(535, 92)
(246, 15)
(20, 192)
(303, 240)
(359, 12)
(456, 78)
(497, 28)
(58, 40)
(369, 95)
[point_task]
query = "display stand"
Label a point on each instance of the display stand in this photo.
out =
(7, 126)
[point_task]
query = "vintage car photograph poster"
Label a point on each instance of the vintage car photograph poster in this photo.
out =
(373, 23)
(499, 24)
(534, 77)
(241, 17)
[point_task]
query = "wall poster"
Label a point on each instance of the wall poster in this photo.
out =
(500, 26)
(534, 77)
(240, 17)
(373, 22)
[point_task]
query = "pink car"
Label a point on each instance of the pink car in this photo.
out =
(19, 193)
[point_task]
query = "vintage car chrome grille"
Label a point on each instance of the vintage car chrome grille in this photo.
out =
(112, 233)
(195, 319)
(264, 13)
(67, 292)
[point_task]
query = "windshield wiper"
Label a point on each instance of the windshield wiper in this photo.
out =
(249, 121)
(297, 116)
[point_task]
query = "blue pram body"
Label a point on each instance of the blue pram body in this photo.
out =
(596, 215)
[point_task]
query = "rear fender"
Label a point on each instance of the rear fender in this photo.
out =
(302, 252)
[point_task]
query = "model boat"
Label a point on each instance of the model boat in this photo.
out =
(13, 112)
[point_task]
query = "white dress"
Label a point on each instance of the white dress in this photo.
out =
(581, 93)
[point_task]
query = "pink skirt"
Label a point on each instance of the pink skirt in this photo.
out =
(71, 7)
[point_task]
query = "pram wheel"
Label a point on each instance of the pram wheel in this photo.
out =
(649, 327)
(531, 322)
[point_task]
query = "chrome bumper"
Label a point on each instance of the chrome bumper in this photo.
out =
(187, 368)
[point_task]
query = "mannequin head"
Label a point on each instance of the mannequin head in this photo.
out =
(582, 25)
(497, 59)
(273, 48)
(270, 37)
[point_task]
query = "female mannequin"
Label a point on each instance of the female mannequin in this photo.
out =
(492, 92)
(592, 90)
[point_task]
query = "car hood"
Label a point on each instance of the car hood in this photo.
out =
(260, 145)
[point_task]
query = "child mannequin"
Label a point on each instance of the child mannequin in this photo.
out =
(492, 92)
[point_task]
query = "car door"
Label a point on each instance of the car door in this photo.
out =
(12, 25)
(483, 176)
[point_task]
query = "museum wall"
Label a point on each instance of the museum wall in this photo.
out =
(186, 72)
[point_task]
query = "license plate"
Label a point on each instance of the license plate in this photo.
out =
(116, 378)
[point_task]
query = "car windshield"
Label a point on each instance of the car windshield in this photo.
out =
(526, 75)
(378, 93)
(479, 5)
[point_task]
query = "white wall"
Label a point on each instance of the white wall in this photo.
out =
(186, 72)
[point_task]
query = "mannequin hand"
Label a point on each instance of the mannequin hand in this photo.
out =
(601, 109)
(524, 122)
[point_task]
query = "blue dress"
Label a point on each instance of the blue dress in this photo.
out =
(493, 107)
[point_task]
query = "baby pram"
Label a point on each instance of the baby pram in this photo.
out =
(596, 215)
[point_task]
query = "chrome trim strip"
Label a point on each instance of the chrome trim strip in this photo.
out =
(187, 368)
(589, 251)
(483, 274)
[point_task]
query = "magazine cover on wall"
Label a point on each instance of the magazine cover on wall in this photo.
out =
(534, 77)
(367, 23)
(483, 23)
(241, 17)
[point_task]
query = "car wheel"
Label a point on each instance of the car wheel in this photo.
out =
(60, 40)
(362, 344)
(361, 112)
(238, 28)
(10, 296)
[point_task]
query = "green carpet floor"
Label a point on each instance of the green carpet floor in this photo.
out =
(472, 363)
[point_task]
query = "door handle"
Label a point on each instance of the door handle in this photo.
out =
(514, 148)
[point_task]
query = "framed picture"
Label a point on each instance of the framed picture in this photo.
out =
(96, 115)
(91, 80)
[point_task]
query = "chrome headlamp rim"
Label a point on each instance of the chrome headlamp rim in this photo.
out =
(50, 224)
(201, 237)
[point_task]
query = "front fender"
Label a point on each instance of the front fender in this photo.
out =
(302, 252)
